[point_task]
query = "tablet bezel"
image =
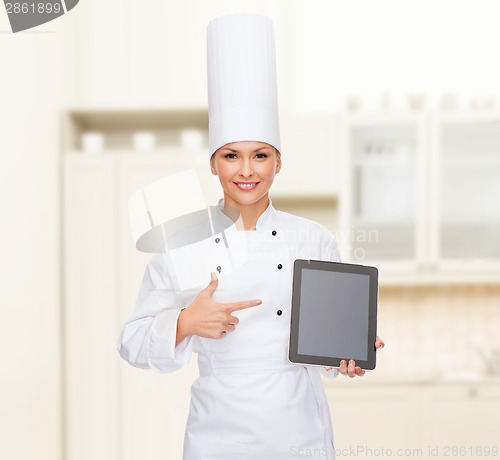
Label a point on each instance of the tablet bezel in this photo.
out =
(338, 267)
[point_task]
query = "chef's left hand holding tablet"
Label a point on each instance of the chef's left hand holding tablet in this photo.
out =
(207, 318)
(350, 368)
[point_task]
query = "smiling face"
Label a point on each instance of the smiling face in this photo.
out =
(246, 171)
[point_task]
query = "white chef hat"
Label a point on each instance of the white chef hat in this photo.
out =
(242, 86)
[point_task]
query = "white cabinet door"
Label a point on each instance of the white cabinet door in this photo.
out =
(309, 162)
(466, 209)
(367, 420)
(463, 418)
(427, 421)
(90, 309)
(384, 193)
(152, 53)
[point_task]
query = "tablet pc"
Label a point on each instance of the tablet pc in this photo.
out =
(334, 313)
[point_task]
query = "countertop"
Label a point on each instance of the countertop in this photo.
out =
(372, 378)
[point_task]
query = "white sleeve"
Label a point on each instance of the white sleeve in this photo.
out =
(147, 339)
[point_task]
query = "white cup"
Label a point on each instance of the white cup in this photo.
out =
(92, 142)
(192, 138)
(144, 140)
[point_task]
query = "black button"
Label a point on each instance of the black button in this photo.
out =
(219, 268)
(279, 312)
(280, 266)
(217, 240)
(274, 232)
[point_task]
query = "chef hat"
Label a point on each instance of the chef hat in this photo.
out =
(242, 87)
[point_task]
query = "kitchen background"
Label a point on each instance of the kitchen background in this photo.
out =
(390, 117)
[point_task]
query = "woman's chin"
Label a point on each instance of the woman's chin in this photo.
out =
(245, 198)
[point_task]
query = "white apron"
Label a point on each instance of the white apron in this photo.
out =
(249, 401)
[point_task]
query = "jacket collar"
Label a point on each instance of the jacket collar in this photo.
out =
(265, 220)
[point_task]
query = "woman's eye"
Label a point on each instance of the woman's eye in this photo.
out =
(262, 155)
(230, 155)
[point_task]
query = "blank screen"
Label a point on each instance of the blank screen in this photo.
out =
(333, 318)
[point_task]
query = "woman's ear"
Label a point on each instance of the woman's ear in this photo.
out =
(212, 165)
(278, 162)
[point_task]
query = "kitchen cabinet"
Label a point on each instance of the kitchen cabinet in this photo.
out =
(432, 419)
(420, 196)
(113, 411)
(462, 416)
(382, 191)
(153, 54)
(373, 417)
(135, 54)
(90, 310)
(309, 147)
(466, 185)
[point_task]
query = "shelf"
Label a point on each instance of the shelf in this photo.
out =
(437, 278)
(382, 120)
(200, 153)
(479, 161)
(383, 160)
(116, 127)
(378, 378)
(109, 119)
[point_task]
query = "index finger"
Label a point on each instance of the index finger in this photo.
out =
(235, 306)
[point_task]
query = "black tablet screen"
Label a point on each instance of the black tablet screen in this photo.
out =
(334, 297)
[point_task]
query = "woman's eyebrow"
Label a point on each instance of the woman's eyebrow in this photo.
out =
(237, 151)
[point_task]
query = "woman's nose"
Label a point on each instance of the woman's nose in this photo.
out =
(246, 169)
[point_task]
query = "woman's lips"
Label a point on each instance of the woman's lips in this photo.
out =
(246, 186)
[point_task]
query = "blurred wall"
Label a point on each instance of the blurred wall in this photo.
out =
(30, 336)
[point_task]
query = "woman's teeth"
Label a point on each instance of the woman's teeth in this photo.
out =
(246, 186)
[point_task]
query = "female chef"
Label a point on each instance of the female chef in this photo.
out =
(249, 401)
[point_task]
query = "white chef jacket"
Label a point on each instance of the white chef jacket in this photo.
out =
(249, 401)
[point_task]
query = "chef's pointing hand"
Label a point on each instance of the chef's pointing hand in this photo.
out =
(207, 318)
